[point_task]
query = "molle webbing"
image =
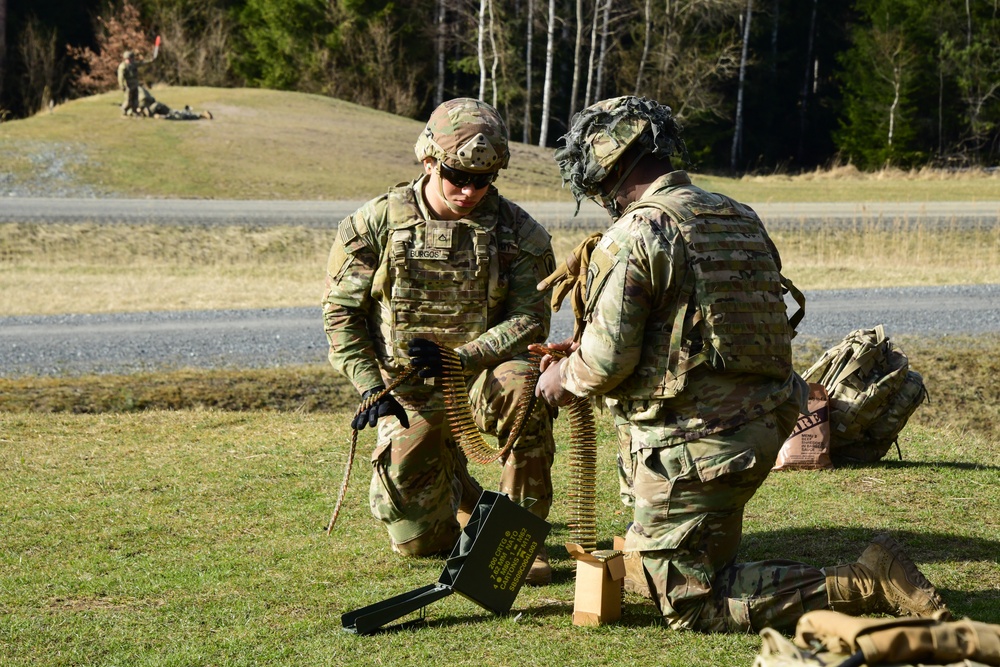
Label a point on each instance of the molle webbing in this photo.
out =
(740, 324)
(441, 271)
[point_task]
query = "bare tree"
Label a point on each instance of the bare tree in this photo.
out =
(528, 71)
(439, 48)
(547, 87)
(194, 55)
(480, 50)
(577, 48)
(891, 60)
(738, 129)
(599, 86)
(114, 35)
(694, 51)
(3, 48)
(647, 34)
(977, 73)
(493, 50)
(593, 52)
(371, 53)
(43, 74)
(775, 15)
(804, 92)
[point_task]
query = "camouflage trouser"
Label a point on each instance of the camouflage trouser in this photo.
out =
(689, 502)
(421, 478)
(626, 461)
(131, 101)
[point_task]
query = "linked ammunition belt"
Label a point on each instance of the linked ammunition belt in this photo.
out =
(583, 474)
(583, 442)
(467, 434)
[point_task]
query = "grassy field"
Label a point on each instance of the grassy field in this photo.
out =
(55, 268)
(177, 518)
(197, 537)
(279, 145)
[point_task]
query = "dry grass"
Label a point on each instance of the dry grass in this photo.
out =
(847, 183)
(55, 269)
(866, 254)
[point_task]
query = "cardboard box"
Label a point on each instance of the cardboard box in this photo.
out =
(599, 578)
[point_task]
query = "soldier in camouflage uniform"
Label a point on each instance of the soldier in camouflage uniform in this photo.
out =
(687, 338)
(128, 81)
(150, 107)
(443, 259)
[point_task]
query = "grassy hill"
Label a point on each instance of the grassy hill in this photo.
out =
(266, 144)
(262, 144)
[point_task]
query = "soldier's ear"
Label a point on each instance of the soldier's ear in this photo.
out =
(429, 165)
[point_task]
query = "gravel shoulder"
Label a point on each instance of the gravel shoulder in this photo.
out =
(132, 342)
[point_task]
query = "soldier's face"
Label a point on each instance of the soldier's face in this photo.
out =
(447, 200)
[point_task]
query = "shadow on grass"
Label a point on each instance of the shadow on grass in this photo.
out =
(834, 546)
(428, 619)
(845, 543)
(896, 463)
(818, 546)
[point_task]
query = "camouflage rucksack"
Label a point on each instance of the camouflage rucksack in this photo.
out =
(872, 394)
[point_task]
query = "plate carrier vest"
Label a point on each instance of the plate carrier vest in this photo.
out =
(446, 275)
(730, 311)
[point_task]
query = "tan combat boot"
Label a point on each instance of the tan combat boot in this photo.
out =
(883, 581)
(635, 575)
(540, 573)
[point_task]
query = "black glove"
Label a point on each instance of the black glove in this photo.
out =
(426, 356)
(387, 405)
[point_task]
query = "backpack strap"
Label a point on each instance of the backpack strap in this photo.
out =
(858, 360)
(800, 300)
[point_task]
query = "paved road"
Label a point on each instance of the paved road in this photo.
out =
(552, 215)
(127, 342)
(130, 342)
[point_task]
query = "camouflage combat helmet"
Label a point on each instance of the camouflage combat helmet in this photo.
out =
(127, 55)
(465, 134)
(603, 132)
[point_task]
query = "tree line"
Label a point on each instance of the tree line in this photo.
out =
(760, 85)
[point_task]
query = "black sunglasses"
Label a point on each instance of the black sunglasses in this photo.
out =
(460, 178)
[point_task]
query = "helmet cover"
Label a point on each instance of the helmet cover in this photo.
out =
(601, 133)
(465, 134)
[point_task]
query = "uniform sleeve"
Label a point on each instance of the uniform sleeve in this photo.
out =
(526, 312)
(121, 76)
(354, 259)
(620, 293)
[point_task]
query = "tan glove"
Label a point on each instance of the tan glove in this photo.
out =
(571, 279)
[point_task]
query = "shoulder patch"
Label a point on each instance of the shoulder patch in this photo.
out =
(531, 236)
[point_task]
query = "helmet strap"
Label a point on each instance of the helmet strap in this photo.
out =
(610, 200)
